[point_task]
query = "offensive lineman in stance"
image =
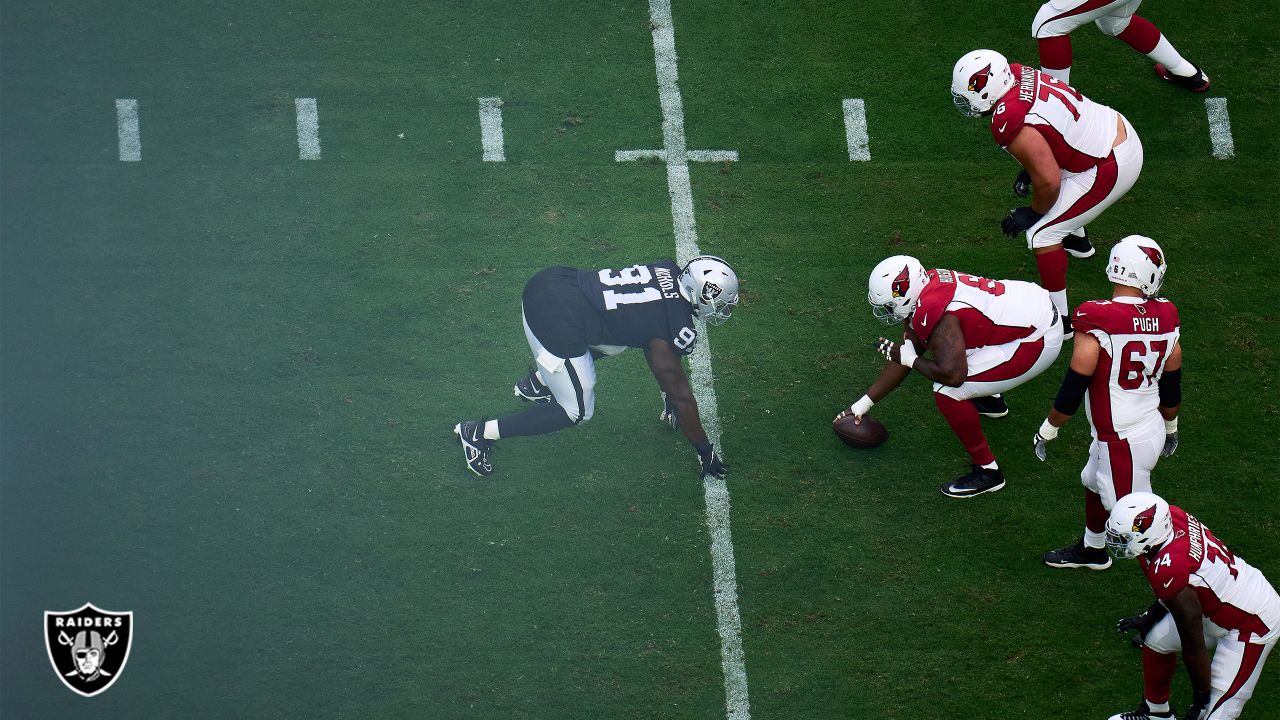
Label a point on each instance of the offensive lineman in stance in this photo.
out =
(984, 337)
(1078, 157)
(1205, 596)
(1126, 365)
(571, 317)
(1058, 18)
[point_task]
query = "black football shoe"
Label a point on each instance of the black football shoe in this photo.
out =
(1078, 556)
(1144, 713)
(992, 406)
(1199, 82)
(1078, 245)
(978, 481)
(531, 388)
(475, 448)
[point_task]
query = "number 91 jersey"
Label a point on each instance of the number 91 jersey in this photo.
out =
(636, 304)
(1136, 338)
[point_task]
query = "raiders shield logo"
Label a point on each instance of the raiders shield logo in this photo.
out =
(88, 647)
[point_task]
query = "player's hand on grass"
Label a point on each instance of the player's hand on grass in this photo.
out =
(1199, 706)
(1018, 220)
(668, 414)
(1022, 184)
(712, 465)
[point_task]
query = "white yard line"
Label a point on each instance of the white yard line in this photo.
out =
(308, 129)
(855, 129)
(715, 492)
(127, 130)
(1224, 146)
(491, 129)
(712, 155)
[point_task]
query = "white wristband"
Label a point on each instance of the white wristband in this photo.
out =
(907, 351)
(1171, 426)
(1048, 431)
(861, 407)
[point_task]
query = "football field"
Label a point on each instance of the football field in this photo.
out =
(257, 259)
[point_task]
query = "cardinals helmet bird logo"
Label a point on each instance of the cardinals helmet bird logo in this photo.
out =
(1153, 254)
(902, 283)
(978, 80)
(1142, 521)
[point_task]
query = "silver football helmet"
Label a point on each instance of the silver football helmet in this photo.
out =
(1139, 522)
(979, 80)
(1137, 262)
(894, 288)
(711, 286)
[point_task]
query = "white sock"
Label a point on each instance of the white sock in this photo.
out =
(491, 430)
(1167, 56)
(1157, 707)
(1063, 74)
(1059, 298)
(1094, 540)
(991, 466)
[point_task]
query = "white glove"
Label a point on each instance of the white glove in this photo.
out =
(857, 409)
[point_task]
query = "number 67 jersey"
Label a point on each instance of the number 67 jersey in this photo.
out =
(1136, 336)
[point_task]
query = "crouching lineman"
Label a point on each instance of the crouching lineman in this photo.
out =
(985, 337)
(1206, 596)
(1078, 156)
(1127, 367)
(573, 316)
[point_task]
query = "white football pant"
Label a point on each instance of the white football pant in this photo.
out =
(1234, 670)
(572, 380)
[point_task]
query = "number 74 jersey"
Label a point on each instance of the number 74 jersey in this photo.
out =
(1136, 336)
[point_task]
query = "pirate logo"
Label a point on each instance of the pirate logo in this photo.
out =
(711, 291)
(88, 647)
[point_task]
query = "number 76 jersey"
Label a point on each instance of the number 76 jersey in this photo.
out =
(1136, 336)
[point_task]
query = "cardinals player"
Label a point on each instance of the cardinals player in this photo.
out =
(1205, 596)
(984, 337)
(1127, 366)
(1057, 18)
(1078, 157)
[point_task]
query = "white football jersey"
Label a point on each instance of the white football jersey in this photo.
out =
(1080, 132)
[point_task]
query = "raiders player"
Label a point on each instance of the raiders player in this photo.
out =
(1127, 367)
(572, 317)
(1206, 596)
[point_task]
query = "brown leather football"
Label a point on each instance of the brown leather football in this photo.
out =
(867, 434)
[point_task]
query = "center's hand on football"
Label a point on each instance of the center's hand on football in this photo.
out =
(668, 414)
(856, 410)
(1018, 220)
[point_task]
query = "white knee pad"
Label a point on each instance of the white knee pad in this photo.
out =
(1112, 25)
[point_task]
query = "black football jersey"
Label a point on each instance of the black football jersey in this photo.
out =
(635, 304)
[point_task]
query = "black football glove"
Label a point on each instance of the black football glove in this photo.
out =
(1170, 445)
(1018, 220)
(1142, 623)
(668, 414)
(712, 465)
(1040, 443)
(1022, 185)
(1199, 706)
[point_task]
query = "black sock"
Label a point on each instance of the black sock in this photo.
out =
(537, 420)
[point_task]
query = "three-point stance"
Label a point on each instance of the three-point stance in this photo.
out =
(1058, 18)
(1205, 596)
(1078, 157)
(984, 337)
(1127, 367)
(572, 317)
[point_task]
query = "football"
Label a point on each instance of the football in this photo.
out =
(867, 434)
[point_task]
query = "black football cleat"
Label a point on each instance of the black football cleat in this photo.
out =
(475, 448)
(532, 389)
(992, 406)
(978, 481)
(1078, 556)
(1199, 82)
(1144, 713)
(1078, 245)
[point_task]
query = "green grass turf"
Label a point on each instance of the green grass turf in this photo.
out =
(227, 376)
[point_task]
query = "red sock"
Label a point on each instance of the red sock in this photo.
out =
(962, 416)
(1095, 516)
(1141, 35)
(1055, 52)
(1157, 674)
(1053, 269)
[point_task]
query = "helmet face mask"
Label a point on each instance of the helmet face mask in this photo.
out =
(978, 81)
(711, 286)
(894, 288)
(1139, 523)
(1138, 262)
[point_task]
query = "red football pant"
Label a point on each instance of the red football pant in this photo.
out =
(1157, 674)
(1053, 269)
(963, 418)
(1055, 52)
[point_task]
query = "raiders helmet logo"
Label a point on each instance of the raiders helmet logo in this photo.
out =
(710, 291)
(88, 647)
(1143, 521)
(1152, 254)
(978, 80)
(902, 283)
